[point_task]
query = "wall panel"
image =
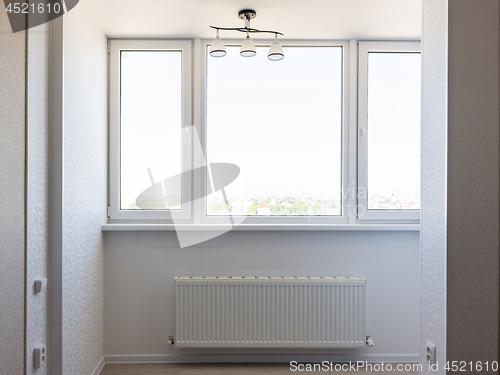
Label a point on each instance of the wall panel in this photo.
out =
(84, 191)
(12, 197)
(37, 199)
(140, 268)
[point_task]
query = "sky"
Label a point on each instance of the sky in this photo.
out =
(279, 121)
(150, 119)
(393, 121)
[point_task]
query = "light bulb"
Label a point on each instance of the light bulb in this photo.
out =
(276, 51)
(248, 47)
(217, 49)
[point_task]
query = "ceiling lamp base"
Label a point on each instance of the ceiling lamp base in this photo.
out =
(247, 14)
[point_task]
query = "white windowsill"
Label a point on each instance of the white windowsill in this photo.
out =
(280, 227)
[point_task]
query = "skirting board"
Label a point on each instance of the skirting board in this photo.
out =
(259, 358)
(99, 366)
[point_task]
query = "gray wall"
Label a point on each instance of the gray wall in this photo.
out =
(140, 267)
(84, 191)
(473, 181)
(12, 195)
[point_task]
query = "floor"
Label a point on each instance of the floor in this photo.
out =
(238, 369)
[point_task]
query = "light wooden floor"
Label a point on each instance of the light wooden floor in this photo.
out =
(219, 369)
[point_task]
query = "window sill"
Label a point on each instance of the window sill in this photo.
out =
(264, 227)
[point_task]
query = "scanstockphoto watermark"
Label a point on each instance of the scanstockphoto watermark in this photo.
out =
(355, 194)
(25, 14)
(219, 176)
(364, 366)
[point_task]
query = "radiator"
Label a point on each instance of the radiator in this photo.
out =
(269, 311)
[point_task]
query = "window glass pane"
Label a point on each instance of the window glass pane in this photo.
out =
(281, 123)
(393, 131)
(150, 129)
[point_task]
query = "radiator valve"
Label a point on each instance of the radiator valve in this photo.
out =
(171, 340)
(369, 342)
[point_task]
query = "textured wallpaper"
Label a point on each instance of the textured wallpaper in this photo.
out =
(12, 190)
(37, 187)
(434, 169)
(85, 191)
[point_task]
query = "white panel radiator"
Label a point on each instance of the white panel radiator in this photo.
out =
(269, 311)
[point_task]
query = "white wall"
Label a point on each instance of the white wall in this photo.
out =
(139, 299)
(37, 199)
(12, 195)
(84, 191)
(434, 169)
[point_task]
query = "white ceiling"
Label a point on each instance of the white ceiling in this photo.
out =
(297, 19)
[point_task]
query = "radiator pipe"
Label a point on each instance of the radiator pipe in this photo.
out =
(171, 340)
(369, 342)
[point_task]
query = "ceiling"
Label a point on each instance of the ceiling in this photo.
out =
(297, 19)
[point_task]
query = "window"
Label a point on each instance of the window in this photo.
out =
(151, 117)
(283, 125)
(150, 107)
(389, 137)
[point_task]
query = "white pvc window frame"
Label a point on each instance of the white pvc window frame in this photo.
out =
(203, 131)
(363, 213)
(194, 58)
(164, 216)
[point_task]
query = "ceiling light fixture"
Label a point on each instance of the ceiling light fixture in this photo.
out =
(218, 49)
(248, 47)
(276, 51)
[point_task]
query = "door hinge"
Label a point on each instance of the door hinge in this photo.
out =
(109, 46)
(108, 212)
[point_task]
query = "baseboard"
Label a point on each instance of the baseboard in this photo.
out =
(99, 366)
(259, 358)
